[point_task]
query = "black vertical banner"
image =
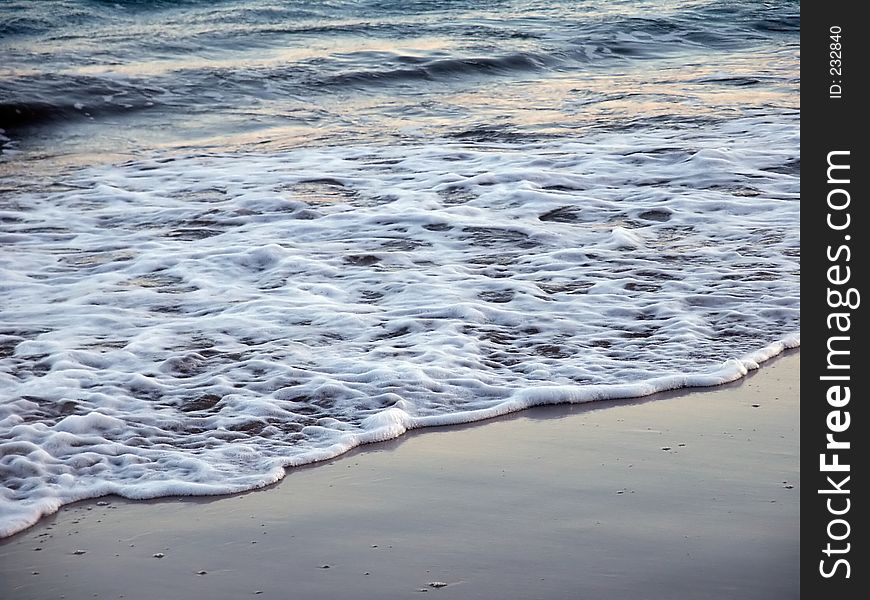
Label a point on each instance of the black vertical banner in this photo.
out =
(834, 172)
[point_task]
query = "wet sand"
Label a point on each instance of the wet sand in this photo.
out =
(689, 495)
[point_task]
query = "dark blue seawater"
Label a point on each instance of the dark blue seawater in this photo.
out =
(124, 77)
(240, 236)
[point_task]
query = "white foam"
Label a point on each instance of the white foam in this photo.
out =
(195, 325)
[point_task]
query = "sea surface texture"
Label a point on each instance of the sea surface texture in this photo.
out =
(237, 236)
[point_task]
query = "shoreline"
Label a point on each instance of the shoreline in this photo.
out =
(536, 511)
(392, 424)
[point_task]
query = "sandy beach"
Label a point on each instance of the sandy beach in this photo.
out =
(692, 494)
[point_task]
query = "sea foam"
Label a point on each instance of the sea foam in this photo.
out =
(196, 324)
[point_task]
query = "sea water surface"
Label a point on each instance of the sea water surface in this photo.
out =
(238, 236)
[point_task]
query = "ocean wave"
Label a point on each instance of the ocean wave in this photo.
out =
(196, 324)
(36, 100)
(444, 69)
(79, 61)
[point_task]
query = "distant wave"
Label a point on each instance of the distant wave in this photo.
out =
(36, 100)
(36, 38)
